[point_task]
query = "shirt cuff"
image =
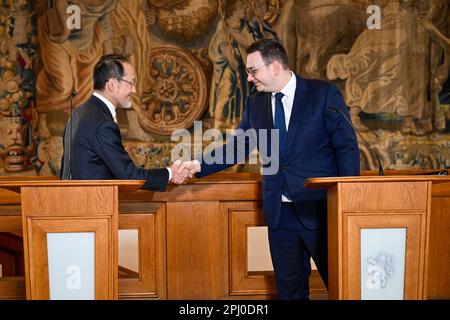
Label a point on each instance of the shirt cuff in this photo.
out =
(197, 163)
(170, 173)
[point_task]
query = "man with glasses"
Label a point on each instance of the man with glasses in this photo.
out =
(93, 147)
(314, 141)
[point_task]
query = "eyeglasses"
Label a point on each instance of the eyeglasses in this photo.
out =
(252, 71)
(133, 83)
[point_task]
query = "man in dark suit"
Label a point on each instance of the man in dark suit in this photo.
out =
(92, 142)
(313, 142)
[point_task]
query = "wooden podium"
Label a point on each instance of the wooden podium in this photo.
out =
(70, 237)
(407, 217)
(178, 259)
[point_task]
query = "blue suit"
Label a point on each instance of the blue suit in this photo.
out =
(319, 143)
(97, 150)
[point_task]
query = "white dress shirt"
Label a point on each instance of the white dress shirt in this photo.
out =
(108, 103)
(288, 92)
(288, 99)
(112, 109)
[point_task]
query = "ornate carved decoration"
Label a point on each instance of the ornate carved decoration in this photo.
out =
(273, 11)
(178, 91)
(183, 21)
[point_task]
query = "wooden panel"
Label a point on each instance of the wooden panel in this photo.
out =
(10, 223)
(242, 216)
(152, 255)
(140, 207)
(196, 250)
(10, 210)
(66, 208)
(441, 189)
(77, 201)
(37, 266)
(414, 258)
(9, 197)
(12, 288)
(384, 196)
(334, 217)
(326, 182)
(317, 289)
(405, 172)
(8, 262)
(437, 277)
(11, 255)
(200, 192)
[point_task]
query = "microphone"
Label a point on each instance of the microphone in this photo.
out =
(67, 169)
(380, 167)
(72, 95)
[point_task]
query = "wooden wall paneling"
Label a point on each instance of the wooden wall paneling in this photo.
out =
(11, 221)
(8, 262)
(242, 215)
(437, 273)
(9, 197)
(239, 187)
(151, 225)
(196, 250)
(11, 254)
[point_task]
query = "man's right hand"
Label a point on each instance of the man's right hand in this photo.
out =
(178, 176)
(190, 167)
(181, 171)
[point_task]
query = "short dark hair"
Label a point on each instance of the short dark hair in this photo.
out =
(271, 50)
(109, 66)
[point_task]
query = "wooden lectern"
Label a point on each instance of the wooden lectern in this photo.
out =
(369, 211)
(59, 214)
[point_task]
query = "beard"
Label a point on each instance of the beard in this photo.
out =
(127, 104)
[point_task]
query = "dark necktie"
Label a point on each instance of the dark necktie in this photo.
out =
(280, 122)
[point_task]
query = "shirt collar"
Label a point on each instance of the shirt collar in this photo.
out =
(289, 89)
(108, 103)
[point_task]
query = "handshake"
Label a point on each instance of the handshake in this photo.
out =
(181, 171)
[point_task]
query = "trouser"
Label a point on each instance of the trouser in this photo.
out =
(291, 248)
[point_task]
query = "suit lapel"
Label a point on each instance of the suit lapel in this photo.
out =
(267, 112)
(298, 109)
(100, 104)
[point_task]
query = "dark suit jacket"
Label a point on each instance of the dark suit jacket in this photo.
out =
(97, 150)
(319, 143)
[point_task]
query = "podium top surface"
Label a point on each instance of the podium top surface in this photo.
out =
(326, 182)
(15, 183)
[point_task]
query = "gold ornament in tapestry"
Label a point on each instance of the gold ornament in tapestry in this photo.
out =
(17, 53)
(178, 91)
(182, 20)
